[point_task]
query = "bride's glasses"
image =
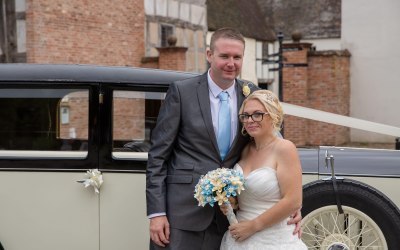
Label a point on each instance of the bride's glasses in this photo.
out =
(256, 117)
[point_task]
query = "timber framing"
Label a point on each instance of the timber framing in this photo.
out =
(8, 31)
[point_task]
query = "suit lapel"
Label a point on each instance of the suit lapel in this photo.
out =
(204, 101)
(239, 93)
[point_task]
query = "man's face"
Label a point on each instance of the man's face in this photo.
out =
(226, 61)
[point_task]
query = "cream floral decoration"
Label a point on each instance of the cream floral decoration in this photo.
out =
(93, 178)
(246, 89)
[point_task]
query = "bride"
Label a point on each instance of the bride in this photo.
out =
(273, 185)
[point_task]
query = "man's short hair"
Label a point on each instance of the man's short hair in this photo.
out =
(226, 32)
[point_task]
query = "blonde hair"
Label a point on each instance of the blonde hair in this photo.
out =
(272, 105)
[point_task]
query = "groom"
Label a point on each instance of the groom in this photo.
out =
(188, 142)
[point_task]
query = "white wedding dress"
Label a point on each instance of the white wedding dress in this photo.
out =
(261, 193)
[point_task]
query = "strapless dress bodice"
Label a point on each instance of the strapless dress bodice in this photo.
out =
(261, 193)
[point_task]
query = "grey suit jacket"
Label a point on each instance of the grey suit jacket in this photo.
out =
(184, 147)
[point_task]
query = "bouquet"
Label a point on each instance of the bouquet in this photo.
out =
(217, 186)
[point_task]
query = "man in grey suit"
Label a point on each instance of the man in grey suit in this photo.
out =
(185, 146)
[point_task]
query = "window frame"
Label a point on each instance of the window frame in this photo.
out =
(164, 38)
(35, 160)
(109, 163)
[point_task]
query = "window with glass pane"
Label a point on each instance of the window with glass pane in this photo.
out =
(166, 31)
(134, 117)
(44, 120)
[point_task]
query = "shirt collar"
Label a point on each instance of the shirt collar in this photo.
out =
(215, 89)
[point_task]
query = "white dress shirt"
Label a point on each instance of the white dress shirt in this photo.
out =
(215, 103)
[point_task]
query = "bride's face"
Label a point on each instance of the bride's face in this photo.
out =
(257, 122)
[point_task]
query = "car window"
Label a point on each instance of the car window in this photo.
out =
(44, 123)
(134, 117)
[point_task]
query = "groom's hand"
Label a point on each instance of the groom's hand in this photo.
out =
(296, 219)
(159, 230)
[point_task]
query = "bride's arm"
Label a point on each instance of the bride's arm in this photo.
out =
(289, 178)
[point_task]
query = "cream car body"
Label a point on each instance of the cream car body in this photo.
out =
(60, 121)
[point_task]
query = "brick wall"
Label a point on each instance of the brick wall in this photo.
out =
(77, 127)
(295, 81)
(86, 32)
(172, 58)
(318, 80)
(329, 90)
(101, 33)
(128, 117)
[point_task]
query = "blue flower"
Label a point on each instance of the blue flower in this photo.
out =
(218, 185)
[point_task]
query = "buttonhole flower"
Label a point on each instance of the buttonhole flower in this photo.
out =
(246, 89)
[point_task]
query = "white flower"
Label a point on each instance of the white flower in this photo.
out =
(94, 179)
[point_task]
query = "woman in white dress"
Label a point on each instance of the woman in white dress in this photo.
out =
(273, 185)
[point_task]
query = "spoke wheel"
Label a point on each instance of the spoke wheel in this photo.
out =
(370, 220)
(325, 228)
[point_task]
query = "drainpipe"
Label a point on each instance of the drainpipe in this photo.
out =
(5, 47)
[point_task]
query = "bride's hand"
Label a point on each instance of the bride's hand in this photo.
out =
(242, 230)
(234, 202)
(234, 205)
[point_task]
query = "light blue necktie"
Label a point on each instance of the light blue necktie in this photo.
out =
(224, 125)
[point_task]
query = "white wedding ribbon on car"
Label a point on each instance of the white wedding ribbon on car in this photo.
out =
(94, 178)
(341, 120)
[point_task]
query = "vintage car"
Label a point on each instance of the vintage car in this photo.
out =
(59, 124)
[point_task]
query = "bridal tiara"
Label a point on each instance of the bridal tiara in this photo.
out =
(269, 97)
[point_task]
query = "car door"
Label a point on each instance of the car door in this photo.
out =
(131, 115)
(47, 143)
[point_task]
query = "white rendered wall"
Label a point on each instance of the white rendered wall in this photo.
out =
(249, 63)
(371, 32)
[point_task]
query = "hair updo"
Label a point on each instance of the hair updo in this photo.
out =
(271, 103)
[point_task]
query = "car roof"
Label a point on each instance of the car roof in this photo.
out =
(21, 72)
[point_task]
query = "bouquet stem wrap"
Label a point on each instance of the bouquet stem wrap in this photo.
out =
(217, 186)
(230, 215)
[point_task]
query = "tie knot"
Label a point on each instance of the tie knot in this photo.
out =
(223, 96)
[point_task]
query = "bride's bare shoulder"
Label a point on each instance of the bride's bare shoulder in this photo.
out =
(285, 146)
